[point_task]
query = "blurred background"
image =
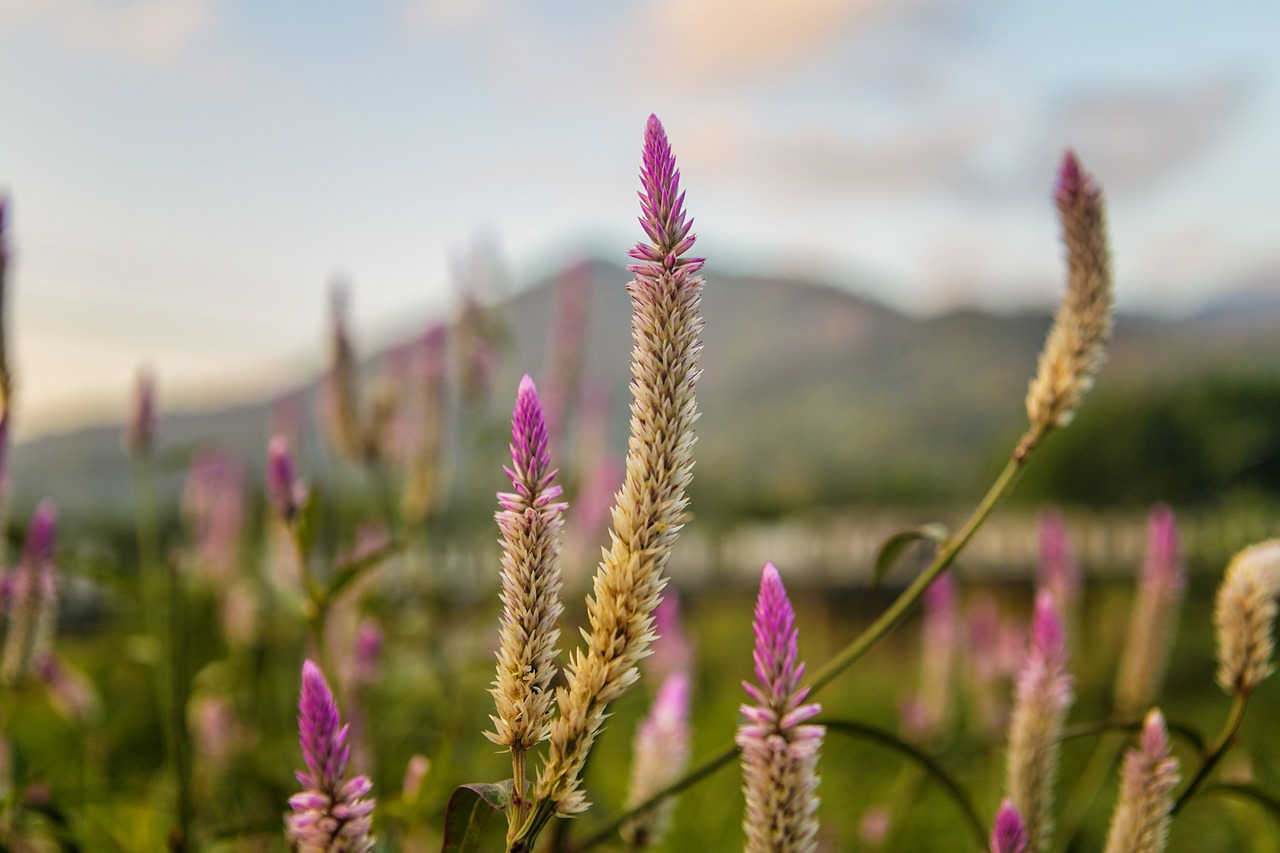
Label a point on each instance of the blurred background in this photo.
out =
(201, 189)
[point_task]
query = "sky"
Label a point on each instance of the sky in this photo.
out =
(186, 177)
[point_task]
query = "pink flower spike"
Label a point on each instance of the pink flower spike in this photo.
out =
(779, 755)
(331, 814)
(140, 434)
(1048, 636)
(287, 492)
(1008, 835)
(1059, 568)
(1164, 566)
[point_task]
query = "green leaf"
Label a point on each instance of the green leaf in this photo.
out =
(894, 547)
(469, 810)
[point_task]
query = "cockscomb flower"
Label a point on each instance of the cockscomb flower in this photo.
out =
(660, 753)
(779, 752)
(32, 598)
(332, 814)
(1155, 616)
(213, 502)
(422, 475)
(341, 386)
(1140, 823)
(1074, 349)
(650, 507)
(1008, 835)
(286, 491)
(1041, 699)
(140, 433)
(1059, 570)
(939, 641)
(1245, 615)
(672, 650)
(530, 521)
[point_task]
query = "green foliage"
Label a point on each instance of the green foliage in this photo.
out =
(1203, 442)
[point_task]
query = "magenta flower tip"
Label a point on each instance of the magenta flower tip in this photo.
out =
(38, 547)
(1009, 834)
(1074, 183)
(662, 205)
(1164, 548)
(776, 641)
(530, 470)
(1048, 636)
(284, 489)
(141, 431)
(323, 739)
(940, 596)
(1155, 736)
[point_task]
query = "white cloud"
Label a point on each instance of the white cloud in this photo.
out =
(147, 32)
(724, 40)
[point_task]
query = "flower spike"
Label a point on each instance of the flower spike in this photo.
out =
(779, 752)
(649, 510)
(331, 815)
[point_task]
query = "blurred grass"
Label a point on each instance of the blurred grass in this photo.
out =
(432, 699)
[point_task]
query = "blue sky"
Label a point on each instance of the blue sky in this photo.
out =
(186, 176)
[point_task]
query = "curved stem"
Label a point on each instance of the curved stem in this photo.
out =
(950, 549)
(694, 776)
(895, 613)
(958, 795)
(1219, 748)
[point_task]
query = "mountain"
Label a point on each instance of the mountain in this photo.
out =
(810, 394)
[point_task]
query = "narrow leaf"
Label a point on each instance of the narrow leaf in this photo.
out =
(469, 811)
(894, 547)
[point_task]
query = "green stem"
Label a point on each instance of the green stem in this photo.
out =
(902, 605)
(895, 613)
(1225, 739)
(694, 776)
(958, 795)
(160, 614)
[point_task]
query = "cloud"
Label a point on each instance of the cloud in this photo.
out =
(725, 40)
(933, 156)
(451, 17)
(145, 32)
(1135, 139)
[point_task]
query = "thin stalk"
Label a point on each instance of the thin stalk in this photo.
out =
(950, 549)
(1225, 739)
(161, 619)
(694, 776)
(177, 663)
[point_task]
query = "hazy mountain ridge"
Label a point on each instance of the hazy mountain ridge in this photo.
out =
(809, 393)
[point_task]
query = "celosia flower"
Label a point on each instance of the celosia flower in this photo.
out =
(568, 342)
(939, 636)
(1074, 350)
(140, 434)
(1008, 835)
(650, 508)
(1155, 616)
(1244, 617)
(660, 753)
(1041, 700)
(1059, 569)
(33, 598)
(422, 475)
(1140, 823)
(4, 345)
(530, 522)
(213, 502)
(672, 651)
(341, 387)
(286, 491)
(779, 752)
(332, 814)
(984, 665)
